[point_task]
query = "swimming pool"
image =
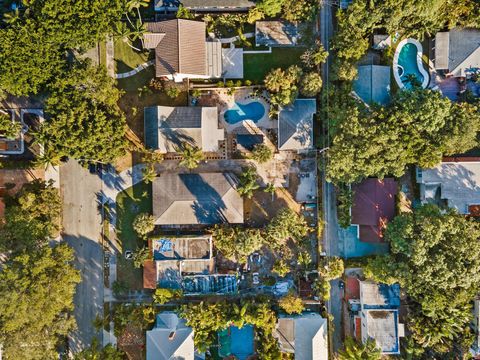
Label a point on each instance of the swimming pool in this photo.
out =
(239, 112)
(407, 64)
(236, 341)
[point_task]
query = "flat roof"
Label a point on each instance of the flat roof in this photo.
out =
(276, 33)
(382, 325)
(373, 84)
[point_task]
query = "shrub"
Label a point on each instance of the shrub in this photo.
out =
(247, 82)
(164, 295)
(262, 153)
(291, 304)
(143, 225)
(281, 267)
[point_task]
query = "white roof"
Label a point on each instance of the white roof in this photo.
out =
(161, 347)
(459, 183)
(306, 336)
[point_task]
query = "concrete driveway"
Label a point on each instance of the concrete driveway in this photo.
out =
(82, 231)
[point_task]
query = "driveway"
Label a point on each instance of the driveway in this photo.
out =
(82, 231)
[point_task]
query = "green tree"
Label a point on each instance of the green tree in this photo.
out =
(36, 296)
(282, 84)
(291, 304)
(248, 182)
(124, 33)
(236, 243)
(140, 256)
(149, 173)
(143, 224)
(299, 10)
(310, 84)
(84, 120)
(270, 7)
(261, 153)
(164, 295)
(356, 351)
(255, 14)
(417, 128)
(32, 217)
(271, 189)
(184, 13)
(315, 56)
(96, 352)
(333, 269)
(9, 129)
(281, 267)
(191, 156)
(286, 225)
(435, 258)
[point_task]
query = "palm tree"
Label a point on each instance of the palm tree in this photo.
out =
(191, 156)
(47, 159)
(149, 174)
(137, 4)
(270, 189)
(123, 32)
(248, 182)
(139, 30)
(357, 351)
(11, 17)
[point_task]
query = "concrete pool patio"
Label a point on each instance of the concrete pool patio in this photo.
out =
(244, 96)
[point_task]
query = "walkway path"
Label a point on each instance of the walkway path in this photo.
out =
(110, 63)
(135, 71)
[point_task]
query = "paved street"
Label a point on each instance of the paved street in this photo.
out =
(82, 230)
(331, 240)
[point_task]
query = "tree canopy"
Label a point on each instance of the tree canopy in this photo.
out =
(84, 120)
(418, 127)
(36, 295)
(35, 39)
(435, 257)
(237, 244)
(32, 217)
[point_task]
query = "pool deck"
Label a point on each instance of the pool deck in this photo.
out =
(242, 96)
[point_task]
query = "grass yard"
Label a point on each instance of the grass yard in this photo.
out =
(130, 203)
(102, 48)
(140, 79)
(127, 58)
(256, 66)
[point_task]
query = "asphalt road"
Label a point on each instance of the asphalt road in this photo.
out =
(330, 240)
(82, 231)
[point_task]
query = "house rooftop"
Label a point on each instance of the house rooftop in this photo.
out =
(276, 33)
(457, 50)
(196, 199)
(305, 335)
(181, 49)
(379, 296)
(382, 325)
(295, 125)
(373, 206)
(170, 339)
(169, 128)
(373, 84)
(206, 5)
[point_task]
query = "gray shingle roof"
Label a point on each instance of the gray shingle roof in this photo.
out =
(295, 125)
(457, 50)
(182, 49)
(188, 199)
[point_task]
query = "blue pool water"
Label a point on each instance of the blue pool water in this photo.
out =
(407, 59)
(238, 342)
(239, 112)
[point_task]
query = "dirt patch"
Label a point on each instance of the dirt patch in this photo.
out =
(260, 209)
(132, 341)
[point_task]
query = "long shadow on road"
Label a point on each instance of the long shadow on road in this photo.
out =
(89, 293)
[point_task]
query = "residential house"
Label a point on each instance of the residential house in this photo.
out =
(373, 206)
(457, 52)
(181, 50)
(187, 263)
(295, 126)
(304, 335)
(205, 5)
(170, 339)
(373, 84)
(475, 349)
(196, 199)
(167, 129)
(276, 33)
(379, 305)
(454, 183)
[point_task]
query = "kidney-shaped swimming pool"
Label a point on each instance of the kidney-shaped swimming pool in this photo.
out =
(240, 112)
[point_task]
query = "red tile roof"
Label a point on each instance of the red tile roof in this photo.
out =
(352, 288)
(373, 206)
(149, 275)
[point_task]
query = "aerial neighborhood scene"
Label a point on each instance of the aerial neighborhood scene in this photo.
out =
(239, 179)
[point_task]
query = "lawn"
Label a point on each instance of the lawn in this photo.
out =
(130, 203)
(256, 66)
(127, 58)
(139, 80)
